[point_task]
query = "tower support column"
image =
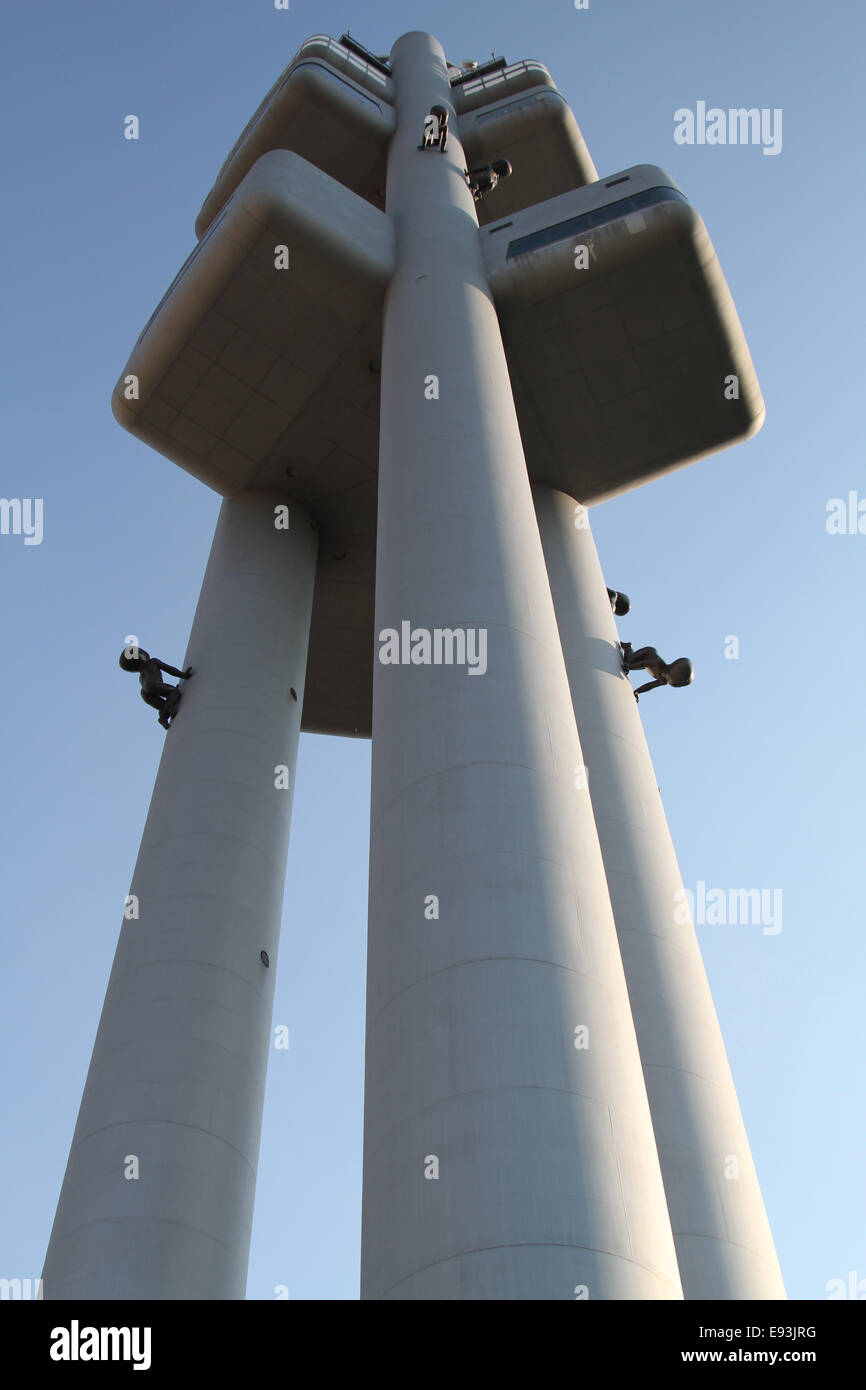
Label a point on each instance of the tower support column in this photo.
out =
(508, 1150)
(724, 1244)
(157, 1201)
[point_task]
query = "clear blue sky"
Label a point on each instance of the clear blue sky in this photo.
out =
(760, 762)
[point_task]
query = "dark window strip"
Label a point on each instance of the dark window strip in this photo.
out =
(561, 231)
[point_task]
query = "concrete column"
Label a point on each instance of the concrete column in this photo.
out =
(503, 1157)
(177, 1076)
(724, 1245)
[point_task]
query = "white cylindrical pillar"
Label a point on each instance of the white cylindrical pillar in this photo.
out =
(508, 1150)
(157, 1200)
(724, 1244)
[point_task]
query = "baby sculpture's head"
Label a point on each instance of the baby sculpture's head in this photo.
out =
(133, 658)
(680, 672)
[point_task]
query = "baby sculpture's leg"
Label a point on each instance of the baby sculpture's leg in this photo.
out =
(172, 700)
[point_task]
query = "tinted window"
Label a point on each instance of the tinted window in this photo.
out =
(562, 231)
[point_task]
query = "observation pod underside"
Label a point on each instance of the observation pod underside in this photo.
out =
(247, 372)
(621, 335)
(255, 376)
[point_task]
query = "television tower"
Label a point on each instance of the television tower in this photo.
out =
(417, 338)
